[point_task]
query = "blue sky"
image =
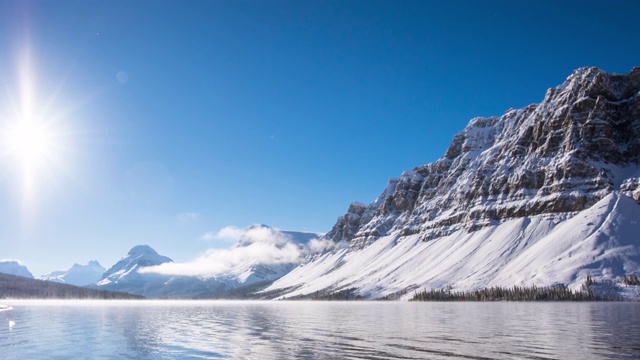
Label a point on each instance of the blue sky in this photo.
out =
(177, 118)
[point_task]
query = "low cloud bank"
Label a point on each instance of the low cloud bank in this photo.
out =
(257, 245)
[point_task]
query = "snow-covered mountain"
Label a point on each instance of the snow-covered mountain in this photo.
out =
(249, 266)
(124, 275)
(252, 269)
(78, 275)
(14, 267)
(542, 195)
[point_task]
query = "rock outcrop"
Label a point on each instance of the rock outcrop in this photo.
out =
(562, 155)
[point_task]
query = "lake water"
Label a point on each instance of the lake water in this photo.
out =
(317, 330)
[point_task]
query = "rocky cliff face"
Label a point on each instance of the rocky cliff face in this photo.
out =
(562, 155)
(543, 195)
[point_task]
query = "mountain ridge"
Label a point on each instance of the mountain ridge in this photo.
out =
(79, 275)
(557, 158)
(14, 267)
(468, 173)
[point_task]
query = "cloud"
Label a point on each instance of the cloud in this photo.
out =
(227, 233)
(222, 261)
(189, 216)
(320, 245)
(253, 234)
(264, 234)
(257, 245)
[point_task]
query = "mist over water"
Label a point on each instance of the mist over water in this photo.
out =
(317, 330)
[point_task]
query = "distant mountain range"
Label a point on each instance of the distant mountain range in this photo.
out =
(78, 275)
(124, 275)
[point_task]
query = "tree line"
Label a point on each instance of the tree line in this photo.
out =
(515, 293)
(18, 287)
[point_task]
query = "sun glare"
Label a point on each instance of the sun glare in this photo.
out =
(32, 138)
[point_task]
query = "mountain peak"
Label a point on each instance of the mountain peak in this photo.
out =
(124, 276)
(14, 267)
(594, 83)
(258, 226)
(586, 71)
(139, 250)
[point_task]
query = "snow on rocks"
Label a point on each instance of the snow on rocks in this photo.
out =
(536, 196)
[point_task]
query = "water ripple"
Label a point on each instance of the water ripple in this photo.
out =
(318, 330)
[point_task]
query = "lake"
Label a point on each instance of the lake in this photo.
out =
(317, 330)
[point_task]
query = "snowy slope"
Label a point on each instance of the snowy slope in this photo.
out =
(78, 275)
(542, 195)
(14, 267)
(539, 250)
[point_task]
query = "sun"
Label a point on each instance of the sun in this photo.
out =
(29, 141)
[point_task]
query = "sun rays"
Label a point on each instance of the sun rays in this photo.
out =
(33, 139)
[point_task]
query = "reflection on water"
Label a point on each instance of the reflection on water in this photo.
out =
(318, 330)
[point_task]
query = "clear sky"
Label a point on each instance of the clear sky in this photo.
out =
(156, 122)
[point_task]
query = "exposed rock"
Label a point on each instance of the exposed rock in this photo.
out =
(631, 188)
(562, 155)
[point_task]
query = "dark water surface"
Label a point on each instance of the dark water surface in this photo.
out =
(318, 330)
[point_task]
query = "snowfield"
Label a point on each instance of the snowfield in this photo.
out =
(540, 250)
